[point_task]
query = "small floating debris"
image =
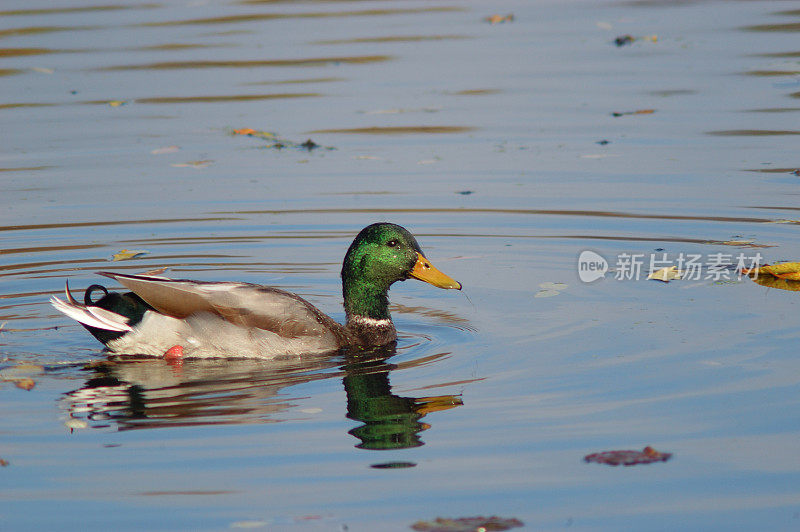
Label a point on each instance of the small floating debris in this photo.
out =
(667, 274)
(499, 19)
(24, 383)
(3, 463)
(19, 374)
(550, 289)
(637, 112)
(603, 142)
(128, 254)
(624, 40)
(466, 192)
(467, 524)
(277, 142)
(117, 103)
(165, 149)
(628, 458)
(205, 163)
(393, 465)
(75, 424)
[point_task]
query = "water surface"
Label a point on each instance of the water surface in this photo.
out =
(498, 146)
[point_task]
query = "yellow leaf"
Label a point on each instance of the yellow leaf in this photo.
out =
(666, 274)
(783, 270)
(776, 282)
(498, 19)
(128, 254)
(250, 132)
(116, 103)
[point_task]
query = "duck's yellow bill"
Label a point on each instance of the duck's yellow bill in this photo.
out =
(425, 271)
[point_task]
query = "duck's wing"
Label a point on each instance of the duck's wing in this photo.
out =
(243, 304)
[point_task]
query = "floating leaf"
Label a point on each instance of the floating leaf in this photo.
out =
(277, 142)
(165, 149)
(18, 374)
(789, 271)
(194, 164)
(467, 524)
(623, 40)
(637, 112)
(250, 132)
(546, 293)
(309, 145)
(666, 274)
(128, 254)
(628, 458)
(75, 423)
(549, 289)
(25, 384)
(117, 103)
(3, 463)
(249, 524)
(770, 281)
(393, 465)
(499, 19)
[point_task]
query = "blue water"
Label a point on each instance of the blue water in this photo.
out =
(493, 396)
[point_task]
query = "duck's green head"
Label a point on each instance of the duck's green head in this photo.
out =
(383, 253)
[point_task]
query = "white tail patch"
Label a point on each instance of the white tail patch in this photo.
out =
(92, 316)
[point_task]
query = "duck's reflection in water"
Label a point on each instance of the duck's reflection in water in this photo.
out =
(138, 393)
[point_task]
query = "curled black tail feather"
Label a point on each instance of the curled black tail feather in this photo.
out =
(128, 304)
(87, 296)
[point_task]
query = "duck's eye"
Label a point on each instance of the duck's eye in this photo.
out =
(391, 243)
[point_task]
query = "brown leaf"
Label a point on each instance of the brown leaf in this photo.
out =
(499, 19)
(628, 458)
(467, 524)
(25, 383)
(637, 112)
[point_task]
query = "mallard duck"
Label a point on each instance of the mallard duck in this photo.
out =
(230, 319)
